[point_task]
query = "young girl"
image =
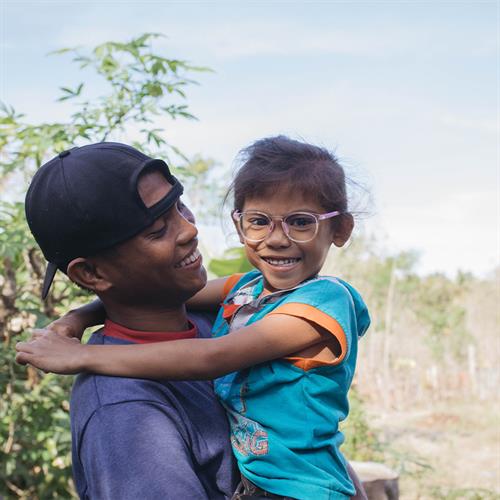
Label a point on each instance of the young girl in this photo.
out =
(284, 344)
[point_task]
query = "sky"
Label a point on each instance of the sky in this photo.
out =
(405, 93)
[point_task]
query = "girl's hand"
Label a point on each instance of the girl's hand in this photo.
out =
(52, 352)
(74, 322)
(67, 326)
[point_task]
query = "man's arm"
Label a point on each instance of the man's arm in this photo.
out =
(138, 449)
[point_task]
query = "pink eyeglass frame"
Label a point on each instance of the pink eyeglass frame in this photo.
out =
(236, 215)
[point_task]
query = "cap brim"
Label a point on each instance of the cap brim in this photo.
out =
(169, 200)
(49, 276)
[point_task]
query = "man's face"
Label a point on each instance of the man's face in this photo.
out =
(161, 266)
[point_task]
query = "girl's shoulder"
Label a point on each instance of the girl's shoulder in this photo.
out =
(335, 283)
(330, 283)
(317, 291)
(238, 280)
(325, 285)
(335, 297)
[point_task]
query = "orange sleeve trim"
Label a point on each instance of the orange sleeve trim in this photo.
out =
(309, 363)
(311, 313)
(229, 283)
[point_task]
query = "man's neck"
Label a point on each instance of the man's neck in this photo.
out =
(149, 319)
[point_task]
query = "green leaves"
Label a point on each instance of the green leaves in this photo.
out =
(69, 94)
(140, 87)
(154, 137)
(362, 442)
(36, 444)
(234, 261)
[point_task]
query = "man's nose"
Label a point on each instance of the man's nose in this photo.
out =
(188, 230)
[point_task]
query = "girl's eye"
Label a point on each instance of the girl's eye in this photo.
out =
(300, 221)
(258, 221)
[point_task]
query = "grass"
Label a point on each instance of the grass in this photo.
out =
(448, 450)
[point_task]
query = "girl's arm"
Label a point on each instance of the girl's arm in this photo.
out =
(273, 337)
(74, 322)
(209, 297)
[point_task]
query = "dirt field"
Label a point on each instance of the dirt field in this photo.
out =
(445, 451)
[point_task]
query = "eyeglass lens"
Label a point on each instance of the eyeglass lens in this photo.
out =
(298, 226)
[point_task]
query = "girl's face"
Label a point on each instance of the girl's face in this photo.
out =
(283, 262)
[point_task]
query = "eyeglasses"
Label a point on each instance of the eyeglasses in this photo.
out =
(300, 227)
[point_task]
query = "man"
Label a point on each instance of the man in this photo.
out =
(111, 219)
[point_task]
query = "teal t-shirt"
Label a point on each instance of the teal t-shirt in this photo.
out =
(285, 414)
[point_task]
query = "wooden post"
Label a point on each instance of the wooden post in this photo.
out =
(379, 481)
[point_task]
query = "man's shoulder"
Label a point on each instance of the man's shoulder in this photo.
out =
(92, 392)
(101, 390)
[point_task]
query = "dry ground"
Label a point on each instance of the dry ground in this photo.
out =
(449, 450)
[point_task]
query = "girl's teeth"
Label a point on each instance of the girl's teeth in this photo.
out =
(282, 262)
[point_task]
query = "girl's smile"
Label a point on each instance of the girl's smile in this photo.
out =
(281, 262)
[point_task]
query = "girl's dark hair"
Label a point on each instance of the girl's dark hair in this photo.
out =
(274, 162)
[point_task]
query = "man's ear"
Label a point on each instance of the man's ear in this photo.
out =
(84, 272)
(343, 231)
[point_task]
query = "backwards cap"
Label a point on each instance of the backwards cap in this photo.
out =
(86, 200)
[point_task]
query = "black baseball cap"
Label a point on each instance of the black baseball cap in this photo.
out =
(86, 200)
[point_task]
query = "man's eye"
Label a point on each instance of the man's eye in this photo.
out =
(159, 233)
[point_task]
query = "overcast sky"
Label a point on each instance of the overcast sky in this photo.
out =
(405, 92)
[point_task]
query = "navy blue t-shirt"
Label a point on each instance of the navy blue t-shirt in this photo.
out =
(137, 438)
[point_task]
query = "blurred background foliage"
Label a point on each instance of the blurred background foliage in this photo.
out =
(430, 335)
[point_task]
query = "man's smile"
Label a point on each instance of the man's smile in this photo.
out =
(193, 259)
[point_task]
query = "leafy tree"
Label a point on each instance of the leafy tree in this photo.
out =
(141, 87)
(445, 323)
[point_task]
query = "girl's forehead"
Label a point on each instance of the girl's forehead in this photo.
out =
(280, 201)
